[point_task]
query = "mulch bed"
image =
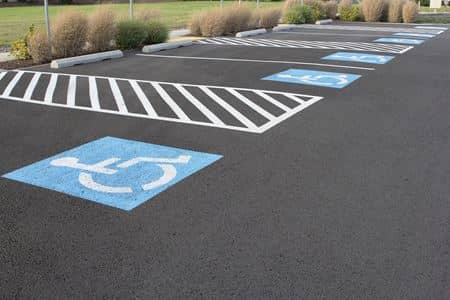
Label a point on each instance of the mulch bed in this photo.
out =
(15, 64)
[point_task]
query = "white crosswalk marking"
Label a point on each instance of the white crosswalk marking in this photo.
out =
(370, 28)
(223, 107)
(355, 46)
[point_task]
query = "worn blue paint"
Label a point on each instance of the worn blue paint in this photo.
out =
(424, 35)
(431, 27)
(66, 179)
(359, 57)
(399, 41)
(308, 77)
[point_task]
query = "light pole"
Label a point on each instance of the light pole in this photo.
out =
(47, 26)
(131, 9)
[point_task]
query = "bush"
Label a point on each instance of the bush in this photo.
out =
(410, 12)
(395, 11)
(331, 9)
(19, 48)
(372, 10)
(39, 47)
(237, 18)
(69, 34)
(318, 9)
(101, 30)
(194, 24)
(299, 15)
(156, 33)
(213, 22)
(288, 4)
(131, 34)
(266, 17)
(349, 12)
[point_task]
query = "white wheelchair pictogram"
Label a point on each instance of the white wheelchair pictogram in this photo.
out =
(86, 178)
(379, 58)
(329, 80)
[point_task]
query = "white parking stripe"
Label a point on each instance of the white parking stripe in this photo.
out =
(12, 84)
(31, 86)
(71, 90)
(117, 95)
(369, 28)
(51, 88)
(93, 93)
(209, 114)
(143, 98)
(250, 103)
(257, 61)
(273, 101)
(172, 104)
(2, 74)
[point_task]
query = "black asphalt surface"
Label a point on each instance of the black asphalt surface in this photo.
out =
(348, 199)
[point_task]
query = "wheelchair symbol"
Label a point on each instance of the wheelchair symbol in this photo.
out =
(327, 80)
(103, 167)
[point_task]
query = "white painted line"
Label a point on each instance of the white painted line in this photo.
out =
(2, 74)
(331, 34)
(31, 86)
(93, 93)
(117, 95)
(71, 90)
(143, 98)
(256, 61)
(12, 84)
(51, 88)
(172, 104)
(295, 98)
(209, 114)
(251, 104)
(273, 101)
(240, 117)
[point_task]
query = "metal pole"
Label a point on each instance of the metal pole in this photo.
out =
(47, 26)
(257, 3)
(221, 3)
(131, 9)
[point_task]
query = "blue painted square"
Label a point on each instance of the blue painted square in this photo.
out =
(359, 57)
(423, 35)
(431, 27)
(399, 41)
(115, 172)
(308, 77)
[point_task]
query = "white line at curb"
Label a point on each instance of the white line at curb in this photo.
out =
(285, 27)
(166, 46)
(250, 32)
(324, 22)
(85, 59)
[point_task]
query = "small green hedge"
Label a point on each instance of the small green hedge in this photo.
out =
(156, 33)
(132, 34)
(350, 14)
(299, 15)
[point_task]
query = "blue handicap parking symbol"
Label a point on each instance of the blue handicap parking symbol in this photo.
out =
(399, 41)
(359, 57)
(423, 35)
(431, 27)
(115, 172)
(308, 77)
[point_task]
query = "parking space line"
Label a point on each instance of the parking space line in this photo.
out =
(241, 104)
(328, 33)
(373, 28)
(2, 74)
(357, 46)
(31, 86)
(51, 88)
(93, 93)
(256, 61)
(12, 84)
(117, 95)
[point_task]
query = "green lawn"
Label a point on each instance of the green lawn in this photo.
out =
(442, 9)
(14, 21)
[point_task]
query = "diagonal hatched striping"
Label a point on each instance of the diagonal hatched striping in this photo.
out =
(242, 109)
(355, 46)
(370, 28)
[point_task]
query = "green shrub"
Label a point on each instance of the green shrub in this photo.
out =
(131, 34)
(318, 9)
(156, 33)
(350, 13)
(300, 14)
(19, 48)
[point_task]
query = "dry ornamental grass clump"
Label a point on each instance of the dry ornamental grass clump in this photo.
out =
(38, 46)
(331, 8)
(395, 11)
(213, 23)
(410, 11)
(69, 34)
(372, 10)
(266, 17)
(101, 30)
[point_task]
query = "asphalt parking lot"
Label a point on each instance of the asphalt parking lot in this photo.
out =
(285, 174)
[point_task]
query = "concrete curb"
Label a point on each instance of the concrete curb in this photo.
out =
(324, 22)
(284, 27)
(166, 46)
(85, 59)
(250, 32)
(179, 33)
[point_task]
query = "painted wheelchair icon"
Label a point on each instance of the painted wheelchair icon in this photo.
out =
(86, 177)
